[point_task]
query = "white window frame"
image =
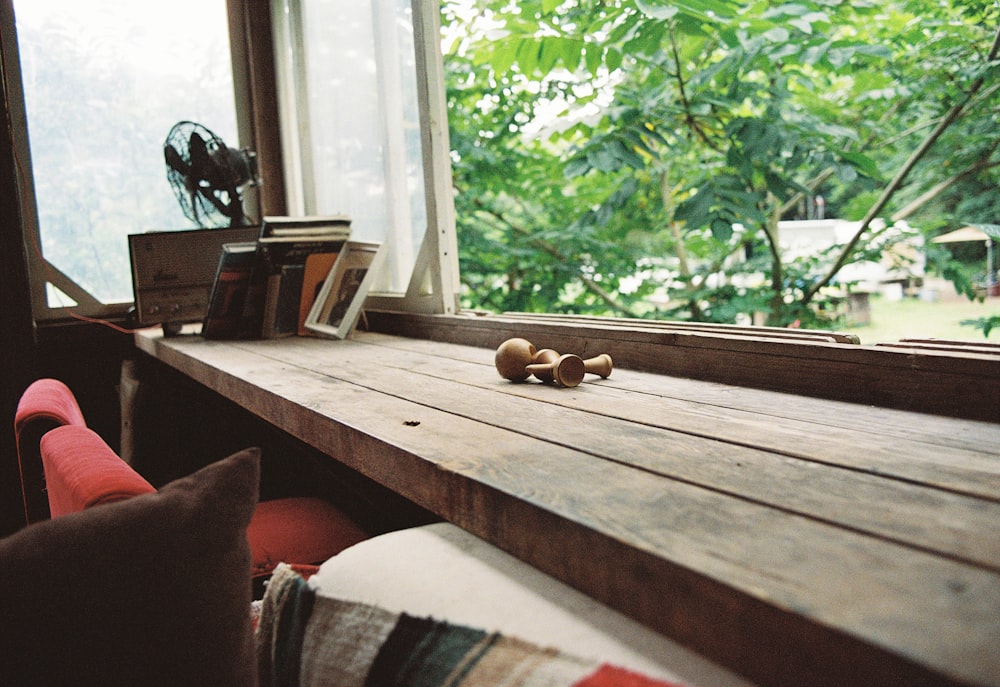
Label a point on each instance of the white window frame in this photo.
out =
(41, 272)
(433, 285)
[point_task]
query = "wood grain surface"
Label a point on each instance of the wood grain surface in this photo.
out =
(796, 540)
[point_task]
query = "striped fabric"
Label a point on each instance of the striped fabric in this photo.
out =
(306, 639)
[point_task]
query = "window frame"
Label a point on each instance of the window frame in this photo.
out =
(41, 272)
(434, 283)
(433, 286)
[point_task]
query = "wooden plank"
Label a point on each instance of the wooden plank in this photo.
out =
(943, 347)
(896, 444)
(720, 400)
(606, 423)
(710, 327)
(491, 331)
(991, 346)
(932, 382)
(787, 599)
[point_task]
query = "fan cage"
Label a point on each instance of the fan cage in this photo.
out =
(206, 175)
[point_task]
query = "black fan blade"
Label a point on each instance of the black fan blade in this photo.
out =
(200, 160)
(175, 161)
(231, 210)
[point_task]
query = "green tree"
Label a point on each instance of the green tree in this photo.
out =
(606, 151)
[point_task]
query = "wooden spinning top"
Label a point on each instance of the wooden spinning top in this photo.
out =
(517, 359)
(565, 370)
(513, 357)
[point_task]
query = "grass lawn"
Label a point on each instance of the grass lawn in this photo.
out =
(916, 318)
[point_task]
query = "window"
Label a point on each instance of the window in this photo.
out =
(363, 117)
(103, 82)
(364, 133)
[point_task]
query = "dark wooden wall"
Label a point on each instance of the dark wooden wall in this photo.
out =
(86, 356)
(16, 346)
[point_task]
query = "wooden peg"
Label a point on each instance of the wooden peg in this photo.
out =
(566, 370)
(599, 365)
(512, 357)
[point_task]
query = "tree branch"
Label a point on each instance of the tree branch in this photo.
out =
(552, 250)
(901, 175)
(939, 188)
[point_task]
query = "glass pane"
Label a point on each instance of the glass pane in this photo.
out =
(359, 147)
(104, 81)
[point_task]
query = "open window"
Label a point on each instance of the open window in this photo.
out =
(364, 133)
(94, 87)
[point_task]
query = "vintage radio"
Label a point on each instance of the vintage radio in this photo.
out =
(173, 272)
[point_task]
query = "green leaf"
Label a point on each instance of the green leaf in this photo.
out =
(721, 229)
(571, 52)
(880, 51)
(592, 57)
(627, 155)
(577, 167)
(528, 52)
(613, 59)
(656, 11)
(840, 56)
(862, 163)
(603, 159)
(695, 209)
(814, 53)
(549, 51)
(779, 34)
(504, 54)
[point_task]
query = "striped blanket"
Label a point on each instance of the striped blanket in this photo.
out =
(308, 639)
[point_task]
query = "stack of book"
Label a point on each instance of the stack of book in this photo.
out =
(266, 288)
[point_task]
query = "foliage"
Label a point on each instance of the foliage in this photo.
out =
(99, 105)
(985, 324)
(635, 156)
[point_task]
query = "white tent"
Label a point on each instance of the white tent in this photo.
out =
(963, 234)
(975, 233)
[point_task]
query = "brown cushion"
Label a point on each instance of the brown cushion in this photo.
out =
(149, 591)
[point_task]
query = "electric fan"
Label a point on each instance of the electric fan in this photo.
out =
(206, 175)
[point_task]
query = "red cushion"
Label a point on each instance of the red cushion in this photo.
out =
(45, 404)
(82, 471)
(48, 398)
(299, 529)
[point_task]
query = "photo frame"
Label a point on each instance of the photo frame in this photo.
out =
(342, 295)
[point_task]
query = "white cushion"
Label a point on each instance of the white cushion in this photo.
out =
(444, 572)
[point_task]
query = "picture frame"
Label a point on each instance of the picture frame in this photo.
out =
(342, 295)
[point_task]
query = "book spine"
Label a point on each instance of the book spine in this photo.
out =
(270, 313)
(224, 314)
(253, 306)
